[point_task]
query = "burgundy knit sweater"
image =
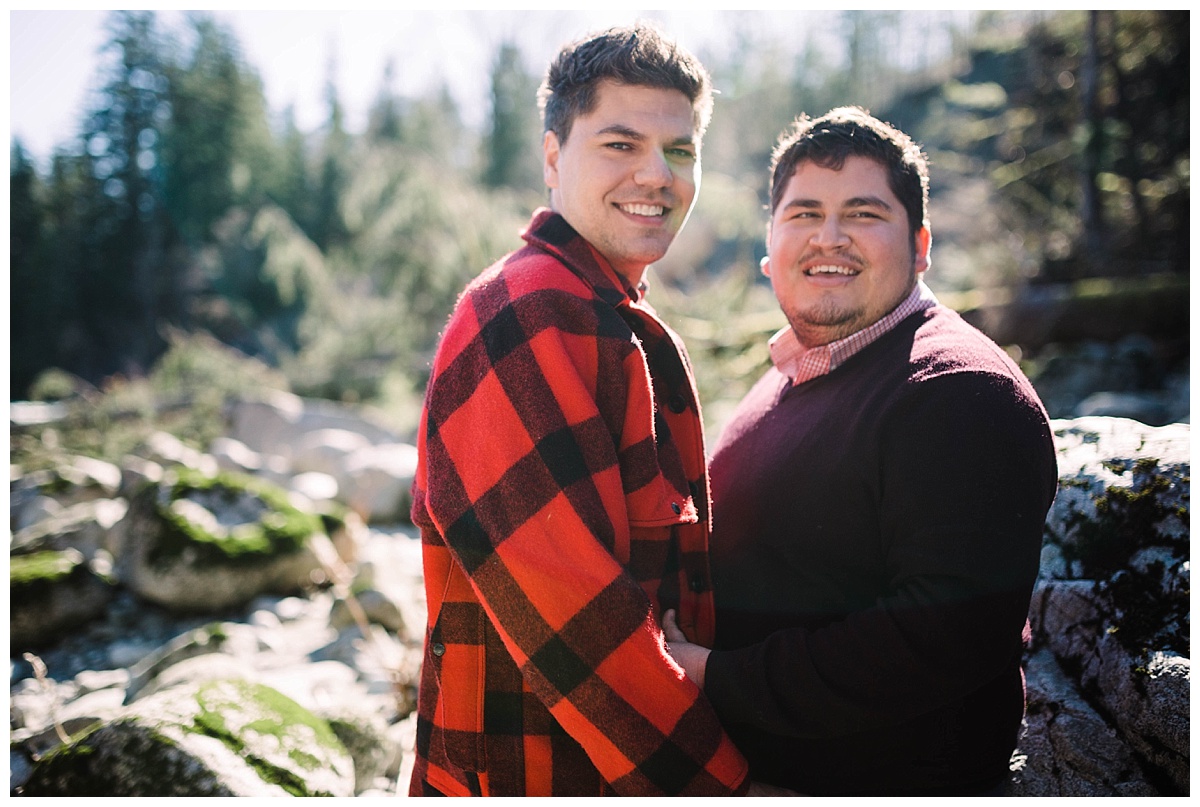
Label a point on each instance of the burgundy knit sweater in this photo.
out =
(876, 535)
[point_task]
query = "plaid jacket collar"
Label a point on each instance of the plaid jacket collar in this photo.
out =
(549, 231)
(802, 364)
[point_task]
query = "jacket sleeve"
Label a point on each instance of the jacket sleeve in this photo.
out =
(524, 484)
(967, 475)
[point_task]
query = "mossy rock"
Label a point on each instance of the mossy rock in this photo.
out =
(216, 738)
(49, 593)
(208, 543)
(274, 526)
(1122, 520)
(364, 734)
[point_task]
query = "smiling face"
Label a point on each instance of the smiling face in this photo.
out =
(626, 176)
(841, 254)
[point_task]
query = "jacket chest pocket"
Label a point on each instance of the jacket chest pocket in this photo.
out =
(658, 516)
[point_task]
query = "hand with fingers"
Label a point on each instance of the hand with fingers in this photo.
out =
(692, 657)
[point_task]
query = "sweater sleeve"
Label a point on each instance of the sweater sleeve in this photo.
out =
(967, 473)
(524, 483)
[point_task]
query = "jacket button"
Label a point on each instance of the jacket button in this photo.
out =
(675, 506)
(438, 648)
(697, 584)
(676, 403)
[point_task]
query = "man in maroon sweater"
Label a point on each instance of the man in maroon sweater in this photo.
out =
(879, 498)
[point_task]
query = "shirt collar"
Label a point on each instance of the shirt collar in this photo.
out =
(802, 364)
(549, 231)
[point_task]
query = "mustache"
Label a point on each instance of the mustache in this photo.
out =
(840, 257)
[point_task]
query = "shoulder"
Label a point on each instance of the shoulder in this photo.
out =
(945, 344)
(529, 270)
(957, 369)
(933, 353)
(525, 294)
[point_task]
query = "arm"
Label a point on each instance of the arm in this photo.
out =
(525, 486)
(966, 475)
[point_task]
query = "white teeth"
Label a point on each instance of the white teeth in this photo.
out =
(831, 270)
(643, 210)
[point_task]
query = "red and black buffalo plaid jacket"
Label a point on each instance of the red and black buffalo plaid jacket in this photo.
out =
(563, 503)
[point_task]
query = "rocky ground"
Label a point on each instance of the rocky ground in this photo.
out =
(302, 646)
(340, 633)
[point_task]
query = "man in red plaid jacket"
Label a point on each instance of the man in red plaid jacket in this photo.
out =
(561, 492)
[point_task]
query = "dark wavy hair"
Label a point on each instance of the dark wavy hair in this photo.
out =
(638, 55)
(851, 131)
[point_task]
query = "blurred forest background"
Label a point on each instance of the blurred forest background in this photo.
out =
(190, 243)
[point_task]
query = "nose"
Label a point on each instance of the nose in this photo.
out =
(830, 235)
(654, 172)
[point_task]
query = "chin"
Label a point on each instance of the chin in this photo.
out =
(829, 318)
(644, 258)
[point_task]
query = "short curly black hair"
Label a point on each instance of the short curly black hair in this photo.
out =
(851, 131)
(638, 55)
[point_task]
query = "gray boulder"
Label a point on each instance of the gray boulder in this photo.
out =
(316, 488)
(77, 479)
(1067, 748)
(1113, 602)
(277, 422)
(326, 450)
(376, 482)
(199, 543)
(365, 736)
(359, 685)
(233, 455)
(1149, 697)
(227, 639)
(375, 606)
(265, 651)
(84, 526)
(196, 670)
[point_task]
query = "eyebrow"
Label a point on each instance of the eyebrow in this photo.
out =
(867, 201)
(622, 131)
(856, 201)
(633, 134)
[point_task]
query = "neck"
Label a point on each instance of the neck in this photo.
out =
(633, 274)
(634, 277)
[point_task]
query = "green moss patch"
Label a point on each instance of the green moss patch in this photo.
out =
(33, 577)
(1127, 519)
(241, 714)
(49, 567)
(281, 528)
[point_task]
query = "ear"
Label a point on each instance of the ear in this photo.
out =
(550, 154)
(765, 265)
(922, 242)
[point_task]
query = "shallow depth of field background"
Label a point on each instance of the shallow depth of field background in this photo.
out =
(188, 239)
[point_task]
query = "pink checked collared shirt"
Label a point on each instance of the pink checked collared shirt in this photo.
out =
(802, 364)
